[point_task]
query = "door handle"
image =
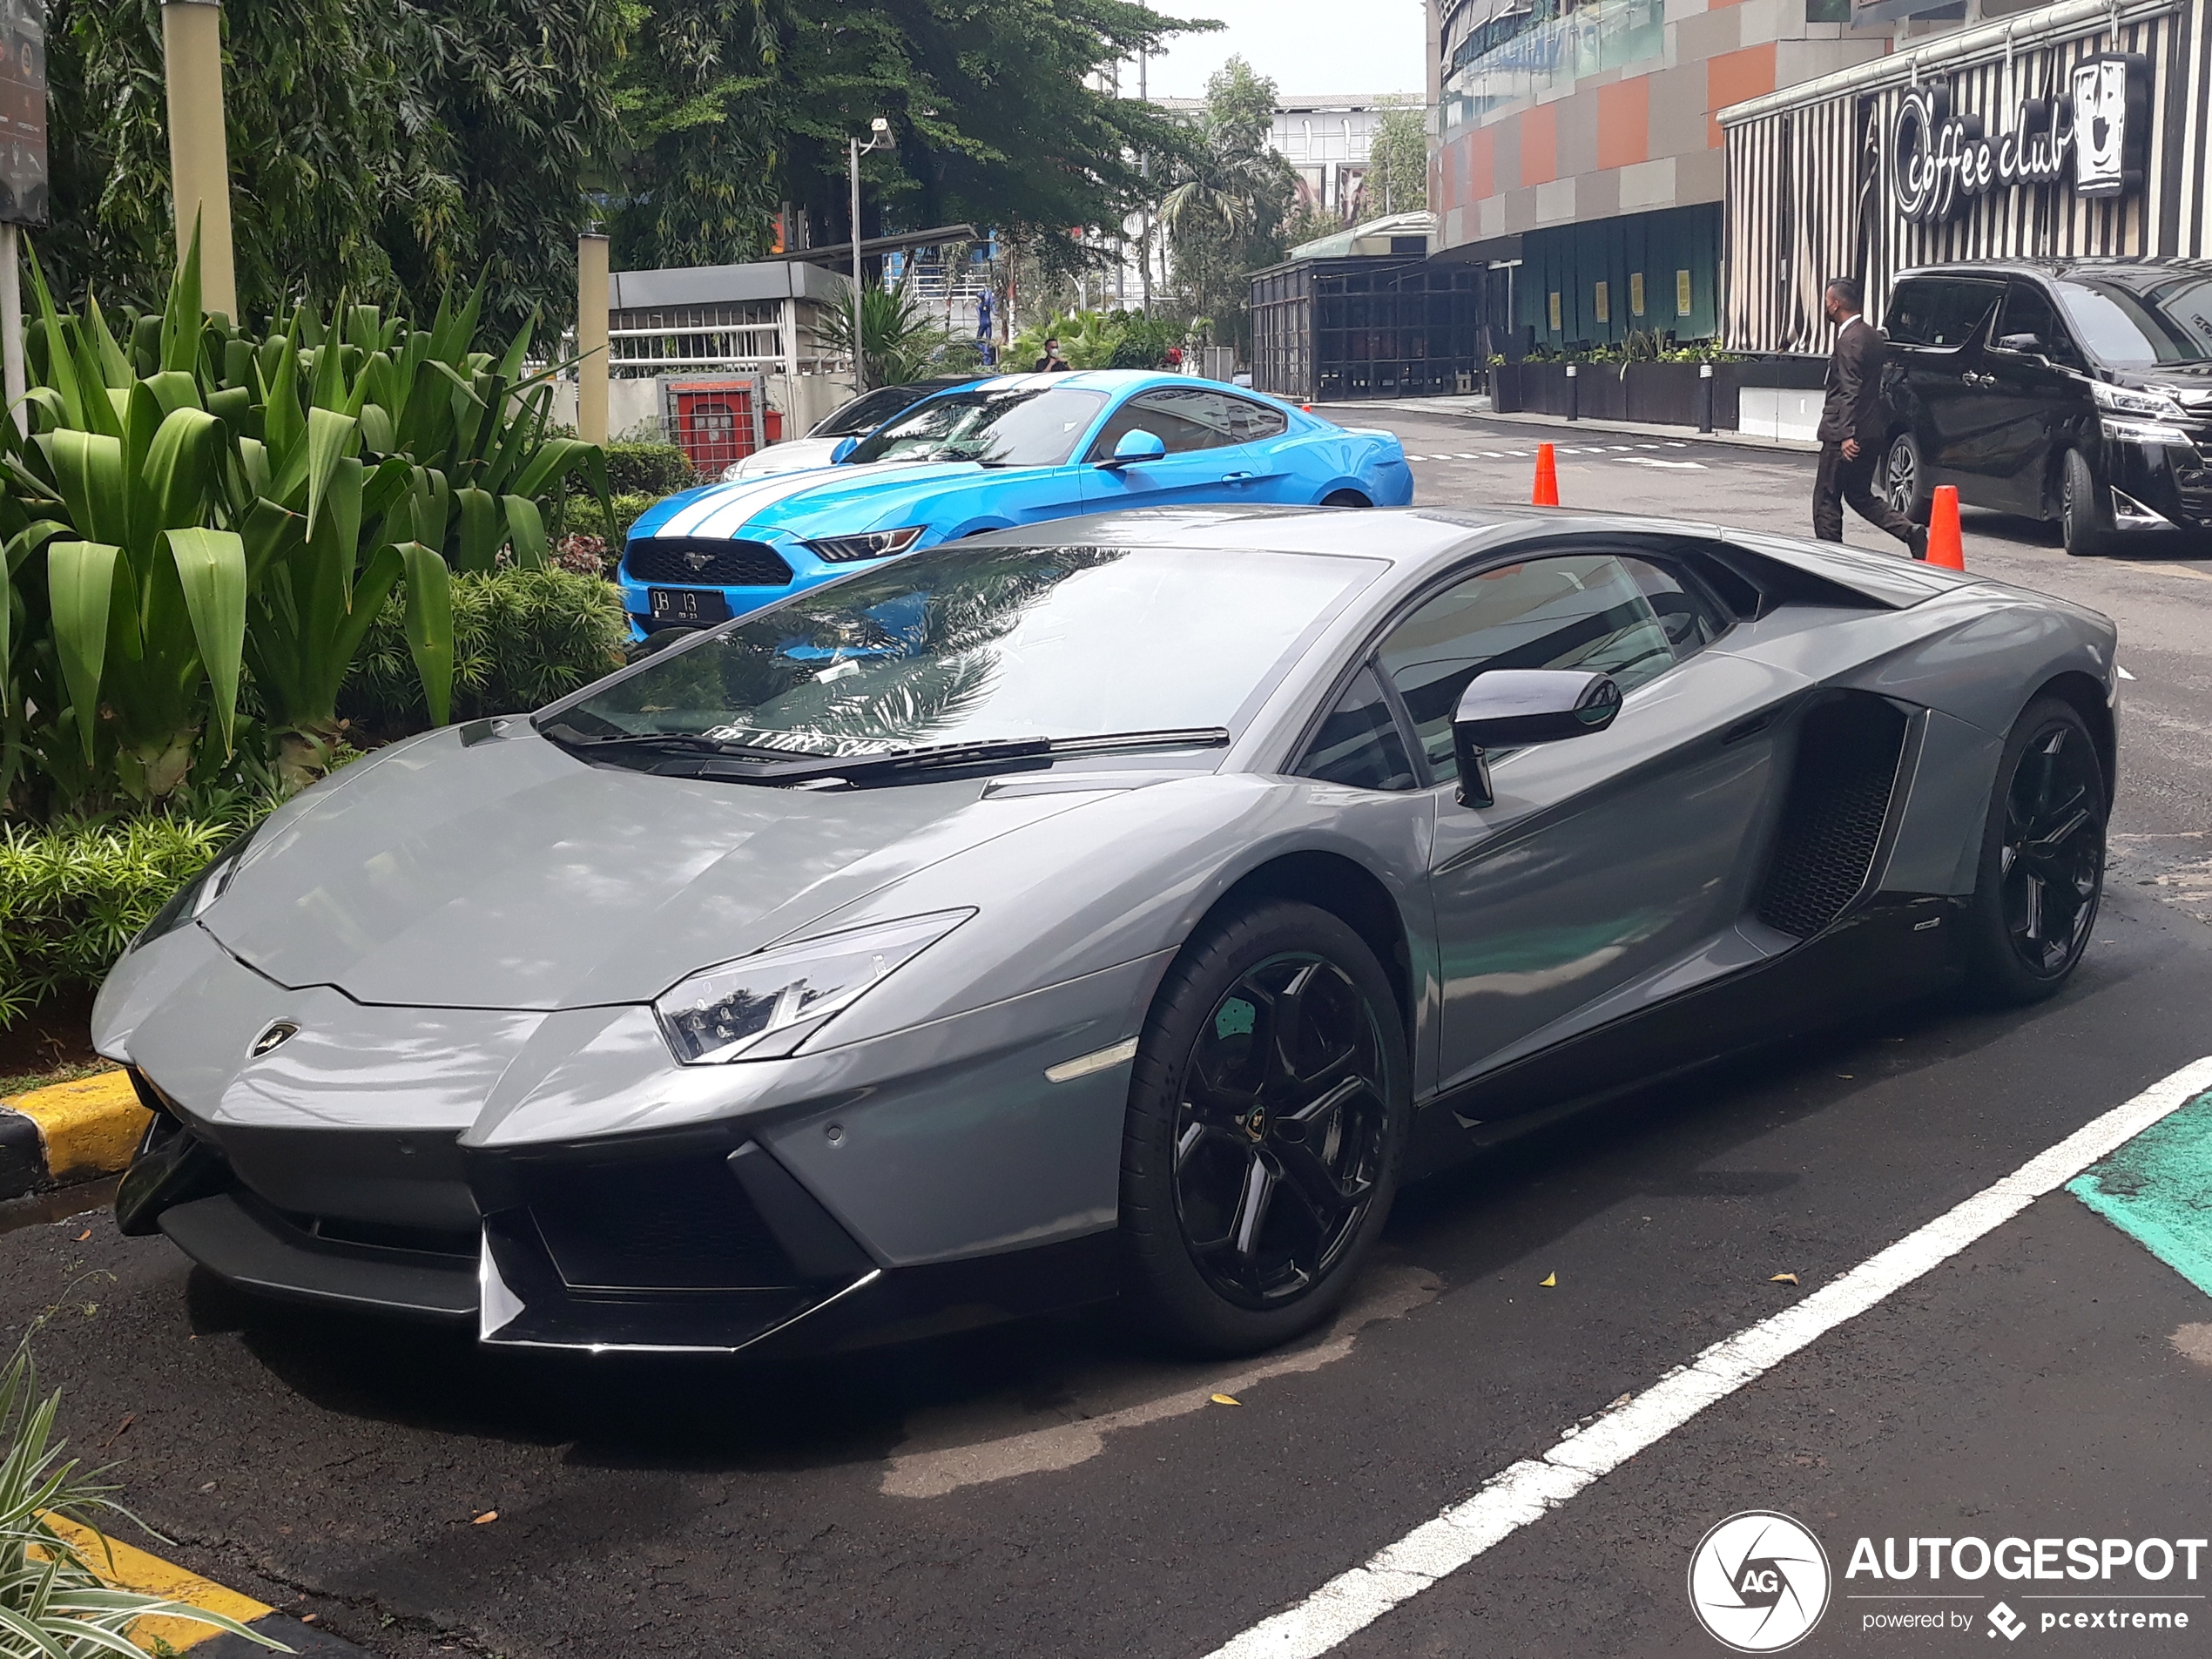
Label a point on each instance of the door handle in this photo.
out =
(1972, 378)
(1238, 477)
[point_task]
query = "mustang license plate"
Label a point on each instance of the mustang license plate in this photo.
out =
(687, 605)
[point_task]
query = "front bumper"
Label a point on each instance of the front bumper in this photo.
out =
(2158, 485)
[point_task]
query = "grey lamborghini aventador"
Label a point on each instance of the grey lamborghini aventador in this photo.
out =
(1124, 906)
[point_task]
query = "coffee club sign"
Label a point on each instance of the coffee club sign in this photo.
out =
(1940, 159)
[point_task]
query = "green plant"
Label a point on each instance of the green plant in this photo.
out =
(899, 341)
(1088, 339)
(74, 892)
(53, 1601)
(648, 469)
(521, 639)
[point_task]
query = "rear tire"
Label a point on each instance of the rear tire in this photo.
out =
(1904, 478)
(2082, 527)
(1268, 1116)
(2042, 857)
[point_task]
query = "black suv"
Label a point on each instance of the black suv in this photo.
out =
(2079, 390)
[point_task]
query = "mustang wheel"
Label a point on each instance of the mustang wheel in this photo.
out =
(1901, 475)
(2042, 866)
(1266, 1121)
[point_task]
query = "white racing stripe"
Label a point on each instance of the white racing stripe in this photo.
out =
(1530, 1489)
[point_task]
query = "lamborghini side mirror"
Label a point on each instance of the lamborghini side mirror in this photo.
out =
(1506, 708)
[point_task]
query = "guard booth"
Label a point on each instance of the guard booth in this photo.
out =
(716, 420)
(1328, 330)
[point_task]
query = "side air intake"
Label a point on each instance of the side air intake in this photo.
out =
(1846, 769)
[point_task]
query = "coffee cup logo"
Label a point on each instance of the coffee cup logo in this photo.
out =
(2110, 111)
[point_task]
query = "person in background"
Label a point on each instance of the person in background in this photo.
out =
(1051, 363)
(1850, 427)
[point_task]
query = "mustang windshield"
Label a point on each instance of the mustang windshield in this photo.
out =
(1020, 425)
(2133, 324)
(978, 644)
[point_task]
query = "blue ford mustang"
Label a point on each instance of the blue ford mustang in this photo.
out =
(996, 453)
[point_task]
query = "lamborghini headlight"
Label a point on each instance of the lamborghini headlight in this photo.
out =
(2128, 399)
(763, 1006)
(191, 901)
(869, 544)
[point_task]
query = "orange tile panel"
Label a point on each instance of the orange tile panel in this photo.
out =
(1733, 76)
(1624, 123)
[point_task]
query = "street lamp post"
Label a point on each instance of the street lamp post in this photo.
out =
(878, 138)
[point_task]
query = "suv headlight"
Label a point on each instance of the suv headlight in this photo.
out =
(869, 544)
(762, 1007)
(2128, 399)
(192, 900)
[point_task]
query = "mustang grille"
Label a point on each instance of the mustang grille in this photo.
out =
(704, 561)
(1832, 822)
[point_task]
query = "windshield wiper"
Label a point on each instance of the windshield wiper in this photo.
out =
(991, 752)
(676, 742)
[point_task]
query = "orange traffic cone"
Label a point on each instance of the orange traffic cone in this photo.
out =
(1546, 478)
(1945, 548)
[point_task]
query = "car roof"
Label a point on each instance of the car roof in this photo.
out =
(1109, 380)
(2119, 270)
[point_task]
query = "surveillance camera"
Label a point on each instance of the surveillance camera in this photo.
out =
(879, 125)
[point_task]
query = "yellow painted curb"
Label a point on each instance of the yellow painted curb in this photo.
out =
(133, 1569)
(89, 1128)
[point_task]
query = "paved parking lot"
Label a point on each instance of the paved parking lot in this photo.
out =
(1054, 1488)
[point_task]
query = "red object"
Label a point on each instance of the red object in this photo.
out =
(1944, 547)
(714, 422)
(773, 421)
(1546, 478)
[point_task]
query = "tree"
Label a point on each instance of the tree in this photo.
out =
(1309, 223)
(1224, 213)
(1397, 180)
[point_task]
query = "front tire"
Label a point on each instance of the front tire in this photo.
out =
(1268, 1117)
(2082, 528)
(1346, 498)
(2043, 855)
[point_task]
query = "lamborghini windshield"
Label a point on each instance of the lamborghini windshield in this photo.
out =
(1017, 425)
(969, 645)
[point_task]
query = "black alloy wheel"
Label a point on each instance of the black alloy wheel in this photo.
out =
(2081, 529)
(1267, 1118)
(1901, 478)
(1280, 1132)
(2043, 865)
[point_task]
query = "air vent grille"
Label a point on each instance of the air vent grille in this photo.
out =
(1831, 823)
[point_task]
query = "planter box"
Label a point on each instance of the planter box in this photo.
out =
(1657, 394)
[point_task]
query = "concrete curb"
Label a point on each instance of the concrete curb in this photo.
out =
(129, 1568)
(69, 1132)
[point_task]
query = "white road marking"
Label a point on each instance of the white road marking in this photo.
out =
(2124, 674)
(1654, 461)
(1616, 446)
(1525, 1492)
(1647, 446)
(2159, 569)
(1677, 444)
(1463, 456)
(1494, 454)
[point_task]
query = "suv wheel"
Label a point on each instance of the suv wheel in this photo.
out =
(1901, 479)
(2082, 525)
(1268, 1115)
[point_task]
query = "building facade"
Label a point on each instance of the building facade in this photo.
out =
(1579, 152)
(2077, 129)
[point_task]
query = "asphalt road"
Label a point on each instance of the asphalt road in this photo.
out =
(1052, 1488)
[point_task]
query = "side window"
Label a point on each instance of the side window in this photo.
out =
(1584, 610)
(1939, 310)
(1358, 742)
(1690, 620)
(1182, 420)
(1249, 421)
(1963, 308)
(2028, 310)
(1912, 316)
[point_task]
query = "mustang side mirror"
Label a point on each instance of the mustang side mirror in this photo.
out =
(1504, 708)
(1135, 445)
(844, 447)
(2030, 344)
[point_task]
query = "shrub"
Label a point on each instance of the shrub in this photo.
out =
(520, 639)
(587, 518)
(649, 469)
(73, 893)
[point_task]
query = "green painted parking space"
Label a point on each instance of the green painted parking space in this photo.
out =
(2157, 1188)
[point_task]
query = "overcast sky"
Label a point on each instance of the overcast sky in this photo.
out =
(1303, 45)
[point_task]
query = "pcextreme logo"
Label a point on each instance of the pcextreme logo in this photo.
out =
(1759, 1581)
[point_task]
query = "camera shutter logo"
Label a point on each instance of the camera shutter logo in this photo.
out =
(1758, 1582)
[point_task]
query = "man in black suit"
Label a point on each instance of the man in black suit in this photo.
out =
(1851, 427)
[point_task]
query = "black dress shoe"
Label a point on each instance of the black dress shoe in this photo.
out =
(1919, 542)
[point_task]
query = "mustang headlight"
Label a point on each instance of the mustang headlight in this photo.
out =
(192, 901)
(762, 1007)
(2128, 399)
(869, 544)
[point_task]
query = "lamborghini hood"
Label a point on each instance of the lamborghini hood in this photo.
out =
(470, 870)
